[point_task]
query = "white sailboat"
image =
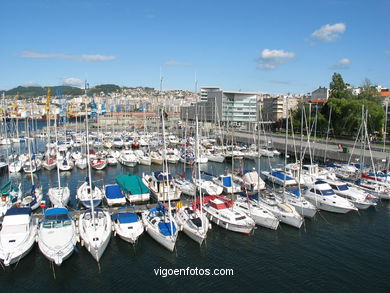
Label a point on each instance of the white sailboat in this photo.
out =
(94, 224)
(60, 195)
(159, 222)
(192, 220)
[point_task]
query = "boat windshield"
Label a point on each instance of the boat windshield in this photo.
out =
(327, 192)
(53, 224)
(343, 187)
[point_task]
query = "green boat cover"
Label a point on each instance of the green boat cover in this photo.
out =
(131, 184)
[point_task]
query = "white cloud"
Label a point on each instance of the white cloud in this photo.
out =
(72, 81)
(342, 64)
(176, 63)
(329, 32)
(84, 57)
(96, 57)
(271, 59)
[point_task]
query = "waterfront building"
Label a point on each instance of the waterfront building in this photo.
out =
(232, 108)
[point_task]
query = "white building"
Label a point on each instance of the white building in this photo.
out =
(322, 93)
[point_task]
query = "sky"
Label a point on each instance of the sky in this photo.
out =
(264, 46)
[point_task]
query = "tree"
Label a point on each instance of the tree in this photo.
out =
(338, 89)
(369, 92)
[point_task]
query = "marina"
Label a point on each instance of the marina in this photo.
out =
(282, 217)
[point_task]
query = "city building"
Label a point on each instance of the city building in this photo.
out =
(233, 108)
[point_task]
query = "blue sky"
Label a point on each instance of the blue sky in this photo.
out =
(268, 46)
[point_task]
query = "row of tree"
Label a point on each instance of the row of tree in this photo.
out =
(344, 109)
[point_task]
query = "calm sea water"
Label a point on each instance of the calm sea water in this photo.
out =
(330, 253)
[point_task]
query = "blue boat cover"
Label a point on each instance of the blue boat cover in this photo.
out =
(126, 218)
(56, 211)
(281, 175)
(227, 181)
(18, 211)
(113, 191)
(294, 191)
(165, 228)
(160, 176)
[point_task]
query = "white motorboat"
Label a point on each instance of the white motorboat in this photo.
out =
(127, 225)
(99, 163)
(321, 195)
(114, 195)
(17, 235)
(222, 212)
(360, 199)
(57, 235)
(128, 158)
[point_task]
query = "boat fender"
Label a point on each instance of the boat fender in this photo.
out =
(210, 226)
(36, 238)
(146, 228)
(218, 222)
(82, 242)
(211, 218)
(386, 191)
(114, 233)
(181, 227)
(112, 228)
(227, 225)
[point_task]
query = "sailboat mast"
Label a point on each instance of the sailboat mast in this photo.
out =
(165, 163)
(285, 152)
(58, 168)
(198, 158)
(87, 148)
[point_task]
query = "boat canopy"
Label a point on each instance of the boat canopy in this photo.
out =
(132, 184)
(280, 175)
(162, 176)
(125, 218)
(113, 191)
(18, 211)
(165, 228)
(56, 211)
(227, 181)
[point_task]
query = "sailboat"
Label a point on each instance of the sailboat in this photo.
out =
(57, 235)
(191, 220)
(94, 224)
(49, 163)
(17, 235)
(59, 196)
(159, 222)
